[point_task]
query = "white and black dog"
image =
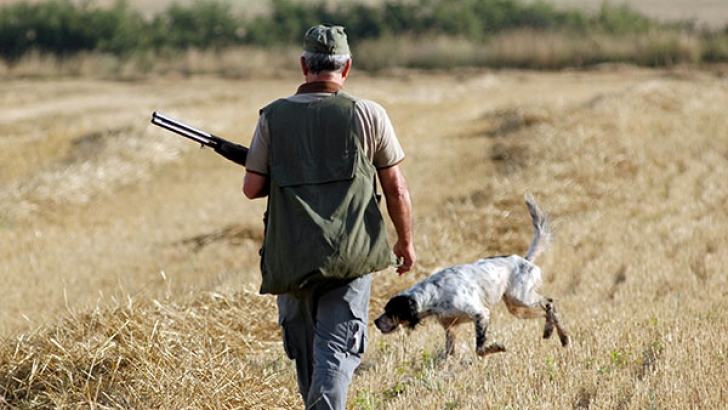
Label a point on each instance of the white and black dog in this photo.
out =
(466, 292)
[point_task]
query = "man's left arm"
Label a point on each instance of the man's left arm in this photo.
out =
(255, 185)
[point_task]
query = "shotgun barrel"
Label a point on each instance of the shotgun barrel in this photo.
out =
(230, 150)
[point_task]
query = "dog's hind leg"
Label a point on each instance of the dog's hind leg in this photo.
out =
(542, 308)
(481, 321)
(481, 328)
(526, 309)
(548, 328)
(553, 319)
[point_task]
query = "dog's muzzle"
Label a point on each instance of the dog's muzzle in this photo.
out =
(386, 324)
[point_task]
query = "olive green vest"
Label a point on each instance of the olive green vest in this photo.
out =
(323, 219)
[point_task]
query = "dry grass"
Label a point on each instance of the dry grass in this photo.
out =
(131, 263)
(550, 50)
(147, 354)
(520, 49)
(240, 62)
(544, 50)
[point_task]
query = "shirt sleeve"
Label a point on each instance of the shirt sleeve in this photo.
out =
(257, 160)
(380, 141)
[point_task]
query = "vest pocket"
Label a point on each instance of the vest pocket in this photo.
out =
(313, 171)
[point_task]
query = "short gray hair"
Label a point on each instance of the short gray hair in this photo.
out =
(318, 62)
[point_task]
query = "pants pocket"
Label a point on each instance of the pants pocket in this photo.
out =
(289, 319)
(357, 340)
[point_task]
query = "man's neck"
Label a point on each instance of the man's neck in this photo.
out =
(319, 87)
(325, 77)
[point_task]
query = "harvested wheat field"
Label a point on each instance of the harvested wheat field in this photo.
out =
(130, 267)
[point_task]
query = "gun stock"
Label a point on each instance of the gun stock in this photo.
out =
(234, 152)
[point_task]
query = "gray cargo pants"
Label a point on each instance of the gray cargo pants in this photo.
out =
(325, 332)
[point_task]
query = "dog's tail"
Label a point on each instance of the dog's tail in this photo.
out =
(541, 230)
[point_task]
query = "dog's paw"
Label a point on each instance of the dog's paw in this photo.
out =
(565, 339)
(548, 329)
(493, 348)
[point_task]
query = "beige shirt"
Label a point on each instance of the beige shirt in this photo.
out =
(379, 140)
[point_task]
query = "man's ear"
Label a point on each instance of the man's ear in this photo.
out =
(304, 68)
(345, 72)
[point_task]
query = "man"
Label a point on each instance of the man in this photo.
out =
(315, 155)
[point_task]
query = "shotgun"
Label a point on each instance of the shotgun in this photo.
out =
(230, 150)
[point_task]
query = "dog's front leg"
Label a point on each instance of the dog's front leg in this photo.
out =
(448, 324)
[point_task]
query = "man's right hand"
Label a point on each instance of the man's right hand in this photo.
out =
(406, 254)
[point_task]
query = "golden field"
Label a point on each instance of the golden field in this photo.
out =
(130, 267)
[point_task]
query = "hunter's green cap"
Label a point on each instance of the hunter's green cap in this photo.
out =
(326, 39)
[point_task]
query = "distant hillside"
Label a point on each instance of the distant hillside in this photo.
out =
(710, 12)
(713, 13)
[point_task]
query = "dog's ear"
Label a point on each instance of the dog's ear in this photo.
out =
(404, 308)
(413, 316)
(397, 306)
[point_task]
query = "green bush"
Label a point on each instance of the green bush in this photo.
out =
(285, 24)
(622, 20)
(67, 27)
(202, 25)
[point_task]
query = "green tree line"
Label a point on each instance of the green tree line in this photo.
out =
(65, 27)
